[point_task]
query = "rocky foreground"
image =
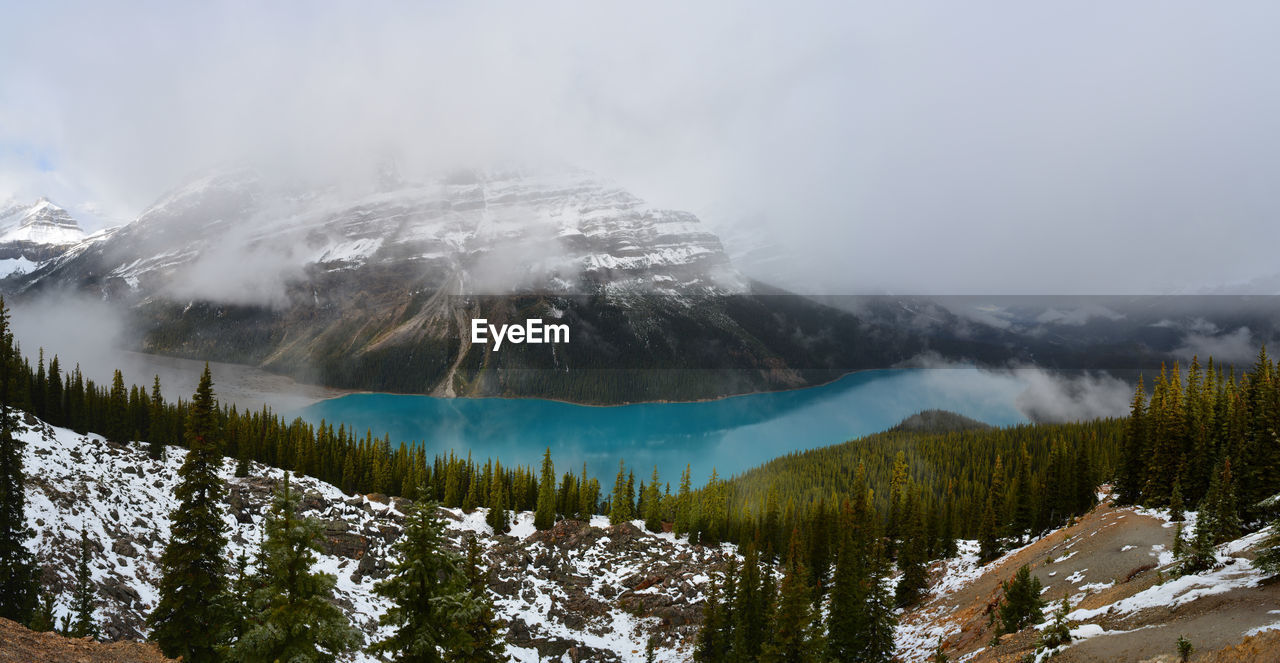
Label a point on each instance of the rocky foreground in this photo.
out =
(578, 592)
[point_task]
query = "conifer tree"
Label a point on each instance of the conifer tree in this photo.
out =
(1133, 452)
(118, 427)
(428, 591)
(684, 504)
(156, 435)
(498, 518)
(912, 557)
(619, 502)
(1269, 551)
(545, 516)
(296, 619)
(483, 642)
(653, 505)
(750, 610)
(42, 619)
(794, 636)
(1022, 605)
(989, 527)
(1219, 513)
(18, 575)
(1058, 633)
(713, 645)
(81, 621)
(192, 617)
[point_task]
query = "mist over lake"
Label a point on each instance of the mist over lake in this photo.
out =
(730, 435)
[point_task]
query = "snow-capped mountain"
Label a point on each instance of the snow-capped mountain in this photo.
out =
(489, 232)
(374, 286)
(33, 233)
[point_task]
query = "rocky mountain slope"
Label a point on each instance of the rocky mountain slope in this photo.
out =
(588, 592)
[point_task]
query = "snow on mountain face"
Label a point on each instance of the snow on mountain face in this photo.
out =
(42, 223)
(32, 234)
(577, 592)
(492, 233)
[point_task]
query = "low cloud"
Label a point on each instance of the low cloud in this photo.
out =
(1057, 397)
(1237, 347)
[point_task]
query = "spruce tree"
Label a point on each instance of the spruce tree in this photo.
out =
(1133, 451)
(156, 435)
(498, 519)
(1022, 605)
(192, 617)
(118, 426)
(545, 516)
(81, 621)
(619, 501)
(1058, 633)
(42, 619)
(18, 575)
(713, 645)
(653, 505)
(296, 619)
(427, 587)
(1219, 512)
(794, 636)
(913, 556)
(484, 640)
(684, 505)
(990, 525)
(1269, 551)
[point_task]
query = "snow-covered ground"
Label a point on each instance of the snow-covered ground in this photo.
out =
(601, 591)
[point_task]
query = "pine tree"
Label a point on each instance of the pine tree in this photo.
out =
(794, 637)
(1269, 551)
(620, 502)
(1022, 605)
(296, 618)
(42, 619)
(1175, 502)
(713, 645)
(484, 641)
(989, 527)
(1133, 451)
(82, 623)
(428, 591)
(913, 556)
(653, 505)
(498, 519)
(118, 427)
(156, 436)
(1058, 633)
(545, 516)
(18, 575)
(1219, 513)
(684, 505)
(192, 617)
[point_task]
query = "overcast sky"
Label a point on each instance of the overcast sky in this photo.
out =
(1085, 147)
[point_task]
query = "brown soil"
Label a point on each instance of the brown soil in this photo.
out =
(1114, 547)
(19, 644)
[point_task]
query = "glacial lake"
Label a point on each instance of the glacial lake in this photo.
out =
(732, 434)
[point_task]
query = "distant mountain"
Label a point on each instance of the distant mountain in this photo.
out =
(376, 287)
(33, 233)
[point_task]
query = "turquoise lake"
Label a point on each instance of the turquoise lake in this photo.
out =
(731, 434)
